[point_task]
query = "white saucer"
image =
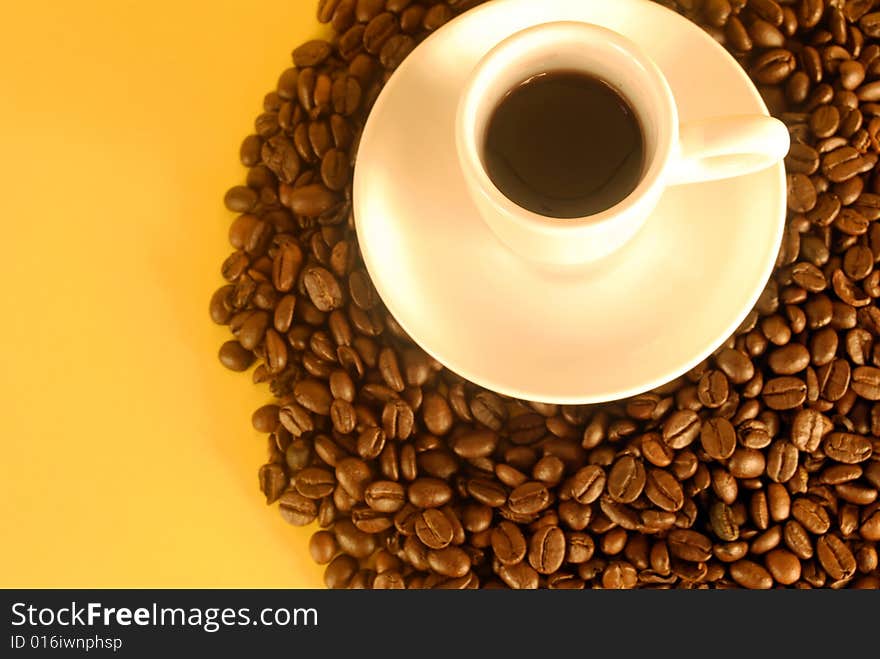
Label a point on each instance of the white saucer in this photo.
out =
(609, 330)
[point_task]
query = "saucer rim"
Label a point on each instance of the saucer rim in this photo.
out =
(619, 393)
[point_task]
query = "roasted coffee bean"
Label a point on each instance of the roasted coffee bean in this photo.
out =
(685, 465)
(352, 540)
(870, 528)
(235, 357)
(759, 510)
(297, 509)
(809, 427)
(681, 428)
(396, 48)
(784, 566)
(335, 170)
(319, 140)
(240, 199)
(656, 451)
(718, 438)
(385, 496)
(766, 35)
(438, 463)
(265, 418)
(309, 200)
(580, 548)
(746, 463)
(663, 490)
(280, 156)
(354, 476)
(519, 576)
(315, 483)
(841, 473)
(449, 562)
(766, 541)
(848, 291)
(487, 492)
(847, 448)
(769, 10)
(313, 395)
(802, 159)
(749, 574)
(436, 16)
(724, 485)
(220, 307)
(587, 484)
(475, 444)
(549, 470)
(343, 416)
(789, 359)
(717, 12)
(434, 529)
(754, 434)
(370, 443)
(842, 164)
(364, 296)
(508, 543)
(811, 515)
(731, 551)
(782, 461)
(489, 410)
(824, 121)
(774, 66)
(312, 53)
(345, 95)
(529, 498)
(298, 454)
(797, 88)
(619, 575)
(381, 28)
(856, 494)
(798, 540)
(835, 557)
(626, 480)
(801, 193)
(253, 330)
(323, 289)
(268, 123)
(547, 550)
(436, 414)
(341, 572)
(398, 419)
(866, 382)
(784, 393)
(323, 547)
(429, 493)
(736, 365)
(510, 476)
(273, 481)
(689, 545)
(249, 152)
(713, 389)
(723, 523)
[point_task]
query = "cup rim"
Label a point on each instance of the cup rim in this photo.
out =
(469, 151)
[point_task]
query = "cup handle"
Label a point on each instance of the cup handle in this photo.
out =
(724, 147)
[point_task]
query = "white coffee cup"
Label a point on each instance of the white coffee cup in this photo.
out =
(710, 149)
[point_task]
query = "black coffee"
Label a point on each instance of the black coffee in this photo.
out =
(564, 144)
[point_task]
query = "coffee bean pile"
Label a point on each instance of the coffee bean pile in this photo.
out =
(758, 468)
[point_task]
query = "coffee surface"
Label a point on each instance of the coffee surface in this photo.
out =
(564, 144)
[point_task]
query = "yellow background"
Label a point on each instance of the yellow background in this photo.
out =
(128, 458)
